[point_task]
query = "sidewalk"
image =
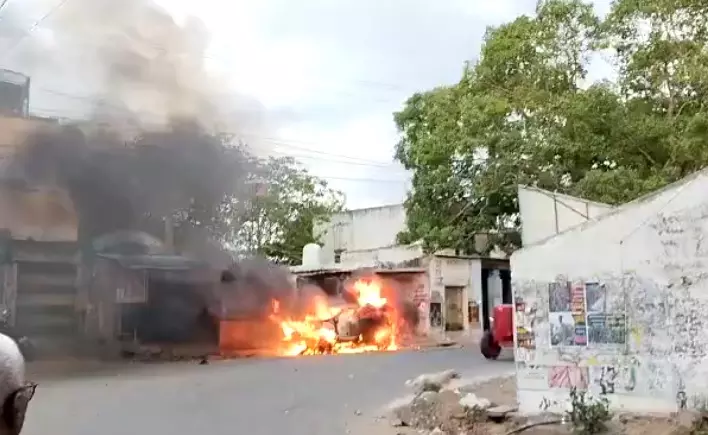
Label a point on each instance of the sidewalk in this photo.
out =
(469, 338)
(448, 338)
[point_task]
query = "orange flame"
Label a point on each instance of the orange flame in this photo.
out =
(369, 293)
(316, 332)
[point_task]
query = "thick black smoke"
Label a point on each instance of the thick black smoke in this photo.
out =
(130, 66)
(182, 172)
(252, 285)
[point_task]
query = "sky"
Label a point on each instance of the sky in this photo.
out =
(330, 73)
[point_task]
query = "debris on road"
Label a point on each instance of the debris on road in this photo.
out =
(445, 404)
(442, 403)
(432, 381)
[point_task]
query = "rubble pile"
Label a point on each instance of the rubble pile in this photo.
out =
(442, 403)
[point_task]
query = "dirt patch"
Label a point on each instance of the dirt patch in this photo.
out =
(501, 391)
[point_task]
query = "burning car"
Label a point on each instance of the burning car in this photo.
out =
(369, 324)
(265, 310)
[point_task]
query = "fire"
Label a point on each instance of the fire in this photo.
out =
(369, 293)
(323, 329)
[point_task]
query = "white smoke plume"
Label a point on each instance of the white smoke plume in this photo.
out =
(122, 62)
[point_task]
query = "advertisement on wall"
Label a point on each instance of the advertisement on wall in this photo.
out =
(525, 336)
(604, 327)
(567, 314)
(579, 316)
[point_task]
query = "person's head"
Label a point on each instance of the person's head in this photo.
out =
(15, 392)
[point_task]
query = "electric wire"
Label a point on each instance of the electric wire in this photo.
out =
(343, 159)
(35, 25)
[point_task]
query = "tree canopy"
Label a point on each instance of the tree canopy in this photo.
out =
(529, 112)
(277, 217)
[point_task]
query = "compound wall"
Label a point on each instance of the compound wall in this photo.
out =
(618, 306)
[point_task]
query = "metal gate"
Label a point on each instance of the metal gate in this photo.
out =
(44, 308)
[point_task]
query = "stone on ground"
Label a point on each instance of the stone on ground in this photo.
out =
(471, 401)
(432, 381)
(430, 410)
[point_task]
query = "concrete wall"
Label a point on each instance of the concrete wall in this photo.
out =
(545, 214)
(42, 214)
(389, 254)
(360, 230)
(13, 131)
(631, 288)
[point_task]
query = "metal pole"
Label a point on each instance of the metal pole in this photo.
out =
(555, 212)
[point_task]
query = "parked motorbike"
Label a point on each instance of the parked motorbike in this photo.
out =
(23, 342)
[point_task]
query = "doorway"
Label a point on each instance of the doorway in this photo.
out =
(454, 313)
(436, 315)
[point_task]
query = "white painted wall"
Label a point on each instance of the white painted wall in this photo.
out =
(361, 230)
(388, 254)
(545, 213)
(651, 257)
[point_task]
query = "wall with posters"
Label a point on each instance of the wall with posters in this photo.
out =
(618, 306)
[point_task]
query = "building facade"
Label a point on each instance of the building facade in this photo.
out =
(362, 233)
(618, 306)
(461, 290)
(14, 93)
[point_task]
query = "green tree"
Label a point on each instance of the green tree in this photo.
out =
(526, 113)
(277, 214)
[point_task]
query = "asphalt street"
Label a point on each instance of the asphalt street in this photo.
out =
(296, 396)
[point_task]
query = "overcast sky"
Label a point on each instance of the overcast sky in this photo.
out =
(330, 73)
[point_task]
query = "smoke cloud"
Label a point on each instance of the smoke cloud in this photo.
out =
(181, 172)
(251, 285)
(125, 63)
(149, 147)
(152, 146)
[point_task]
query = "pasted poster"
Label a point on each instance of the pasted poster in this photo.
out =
(604, 328)
(525, 337)
(568, 377)
(567, 317)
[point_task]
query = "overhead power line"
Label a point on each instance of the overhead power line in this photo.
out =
(34, 26)
(284, 143)
(293, 144)
(328, 157)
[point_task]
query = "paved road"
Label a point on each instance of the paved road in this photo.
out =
(304, 396)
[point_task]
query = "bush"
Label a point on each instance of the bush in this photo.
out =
(588, 415)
